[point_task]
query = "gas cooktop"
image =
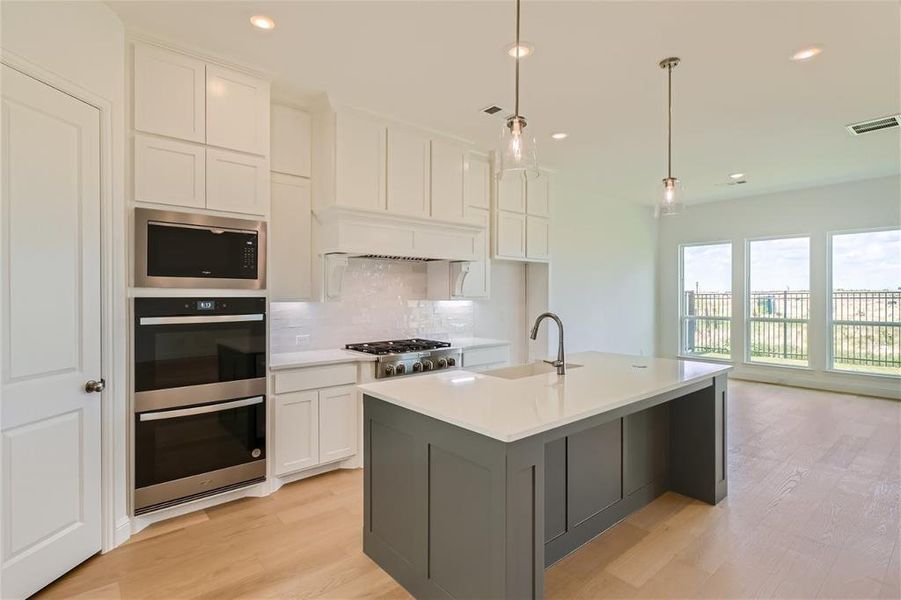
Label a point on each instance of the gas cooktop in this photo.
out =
(406, 357)
(397, 346)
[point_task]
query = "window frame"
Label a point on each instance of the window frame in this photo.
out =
(680, 316)
(746, 303)
(830, 320)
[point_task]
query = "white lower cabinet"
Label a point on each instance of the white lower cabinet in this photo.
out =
(337, 423)
(296, 431)
(315, 426)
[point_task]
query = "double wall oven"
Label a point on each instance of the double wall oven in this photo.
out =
(200, 397)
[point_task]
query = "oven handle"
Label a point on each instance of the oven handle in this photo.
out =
(199, 410)
(199, 319)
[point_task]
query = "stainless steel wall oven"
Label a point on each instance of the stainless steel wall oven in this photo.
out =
(200, 397)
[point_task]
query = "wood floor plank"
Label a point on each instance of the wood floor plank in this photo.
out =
(812, 512)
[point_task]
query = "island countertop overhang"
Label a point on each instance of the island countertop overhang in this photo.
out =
(510, 410)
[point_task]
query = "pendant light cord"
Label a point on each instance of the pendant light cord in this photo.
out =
(517, 51)
(669, 136)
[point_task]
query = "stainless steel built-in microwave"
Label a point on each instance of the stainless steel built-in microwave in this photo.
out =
(188, 250)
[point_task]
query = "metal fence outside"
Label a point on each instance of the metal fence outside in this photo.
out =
(866, 327)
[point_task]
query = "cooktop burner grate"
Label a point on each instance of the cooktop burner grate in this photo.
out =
(397, 346)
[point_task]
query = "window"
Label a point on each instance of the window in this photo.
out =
(866, 302)
(706, 301)
(778, 305)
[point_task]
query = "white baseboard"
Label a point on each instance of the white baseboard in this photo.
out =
(843, 383)
(139, 522)
(121, 533)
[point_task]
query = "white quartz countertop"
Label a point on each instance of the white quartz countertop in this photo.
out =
(312, 358)
(512, 409)
(476, 342)
(330, 356)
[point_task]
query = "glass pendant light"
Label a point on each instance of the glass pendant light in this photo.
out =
(517, 151)
(671, 201)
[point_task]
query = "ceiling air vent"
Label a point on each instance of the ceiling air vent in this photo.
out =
(491, 110)
(874, 125)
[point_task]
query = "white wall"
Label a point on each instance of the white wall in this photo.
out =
(84, 43)
(812, 212)
(602, 274)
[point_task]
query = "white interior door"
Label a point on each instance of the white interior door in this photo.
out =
(50, 320)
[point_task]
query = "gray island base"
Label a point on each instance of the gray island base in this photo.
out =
(454, 513)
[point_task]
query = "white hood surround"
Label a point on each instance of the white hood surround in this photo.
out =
(357, 232)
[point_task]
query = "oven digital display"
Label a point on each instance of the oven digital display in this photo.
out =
(206, 305)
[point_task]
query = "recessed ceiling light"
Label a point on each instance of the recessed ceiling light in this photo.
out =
(523, 50)
(560, 136)
(262, 22)
(736, 175)
(807, 53)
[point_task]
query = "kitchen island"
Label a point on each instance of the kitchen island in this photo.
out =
(475, 483)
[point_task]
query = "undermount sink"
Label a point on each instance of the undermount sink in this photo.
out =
(526, 370)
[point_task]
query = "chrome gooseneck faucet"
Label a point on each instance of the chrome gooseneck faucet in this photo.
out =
(560, 363)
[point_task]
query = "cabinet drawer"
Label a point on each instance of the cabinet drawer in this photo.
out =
(485, 356)
(315, 377)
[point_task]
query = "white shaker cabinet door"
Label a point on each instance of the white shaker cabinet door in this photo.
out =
(537, 203)
(237, 111)
(169, 172)
(511, 235)
(538, 238)
(236, 182)
(296, 431)
(290, 138)
(511, 193)
(338, 423)
(408, 172)
(447, 180)
(169, 93)
(359, 161)
(477, 182)
(289, 239)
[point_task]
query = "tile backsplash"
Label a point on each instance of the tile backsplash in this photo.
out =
(381, 300)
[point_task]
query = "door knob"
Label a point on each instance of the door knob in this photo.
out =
(94, 386)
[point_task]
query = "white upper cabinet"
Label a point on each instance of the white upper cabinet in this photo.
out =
(511, 193)
(537, 238)
(447, 180)
(522, 218)
(477, 181)
(289, 239)
(237, 182)
(290, 141)
(359, 167)
(408, 172)
(169, 96)
(478, 281)
(510, 234)
(169, 172)
(237, 111)
(537, 196)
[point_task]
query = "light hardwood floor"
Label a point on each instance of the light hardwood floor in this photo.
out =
(812, 512)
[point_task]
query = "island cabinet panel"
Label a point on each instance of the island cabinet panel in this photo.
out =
(646, 447)
(392, 481)
(554, 489)
(593, 471)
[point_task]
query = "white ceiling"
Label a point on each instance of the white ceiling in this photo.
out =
(740, 103)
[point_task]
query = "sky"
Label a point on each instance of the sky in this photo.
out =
(861, 261)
